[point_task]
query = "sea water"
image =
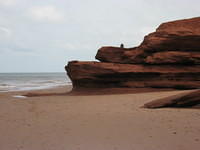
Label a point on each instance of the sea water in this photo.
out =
(31, 81)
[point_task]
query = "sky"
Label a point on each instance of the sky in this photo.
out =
(43, 35)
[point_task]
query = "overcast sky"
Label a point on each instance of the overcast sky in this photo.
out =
(43, 35)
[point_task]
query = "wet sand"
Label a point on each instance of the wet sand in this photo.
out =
(95, 122)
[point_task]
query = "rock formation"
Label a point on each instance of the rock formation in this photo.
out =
(191, 99)
(174, 41)
(103, 75)
(167, 58)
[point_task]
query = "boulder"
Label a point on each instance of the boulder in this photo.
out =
(104, 75)
(191, 99)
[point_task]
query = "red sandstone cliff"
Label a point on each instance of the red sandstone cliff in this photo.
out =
(167, 58)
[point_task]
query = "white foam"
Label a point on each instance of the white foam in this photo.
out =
(31, 81)
(19, 96)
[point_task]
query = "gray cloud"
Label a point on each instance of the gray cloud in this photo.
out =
(51, 32)
(8, 2)
(5, 32)
(46, 13)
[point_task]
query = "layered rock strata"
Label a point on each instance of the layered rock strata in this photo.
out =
(186, 100)
(167, 58)
(104, 75)
(172, 42)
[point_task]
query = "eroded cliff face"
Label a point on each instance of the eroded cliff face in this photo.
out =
(167, 58)
(182, 37)
(111, 75)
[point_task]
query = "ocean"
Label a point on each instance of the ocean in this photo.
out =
(31, 81)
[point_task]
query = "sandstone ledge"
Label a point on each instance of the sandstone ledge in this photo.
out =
(186, 100)
(182, 37)
(111, 75)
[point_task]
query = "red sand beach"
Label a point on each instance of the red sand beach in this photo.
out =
(98, 122)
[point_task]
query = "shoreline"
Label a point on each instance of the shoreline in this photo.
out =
(59, 89)
(68, 90)
(37, 88)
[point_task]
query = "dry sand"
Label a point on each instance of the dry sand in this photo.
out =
(103, 122)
